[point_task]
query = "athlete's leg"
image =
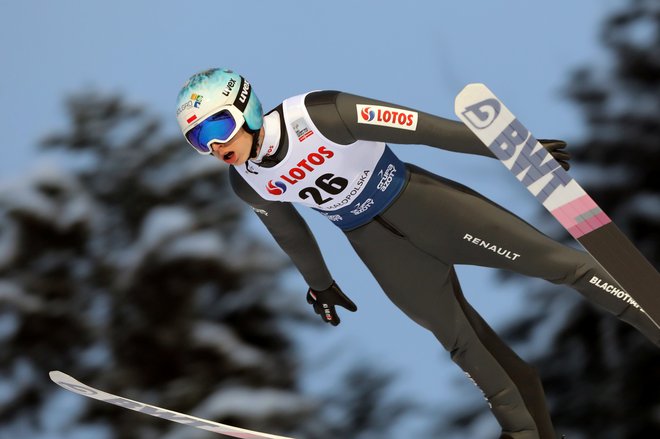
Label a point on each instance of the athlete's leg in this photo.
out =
(460, 226)
(429, 293)
(527, 380)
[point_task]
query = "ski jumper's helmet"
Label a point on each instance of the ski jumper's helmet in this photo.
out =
(213, 105)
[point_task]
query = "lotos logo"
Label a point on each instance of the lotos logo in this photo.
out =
(387, 117)
(308, 165)
(276, 188)
(367, 113)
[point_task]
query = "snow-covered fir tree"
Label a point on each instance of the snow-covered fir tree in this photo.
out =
(128, 265)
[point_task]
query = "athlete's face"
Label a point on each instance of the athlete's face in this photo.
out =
(237, 151)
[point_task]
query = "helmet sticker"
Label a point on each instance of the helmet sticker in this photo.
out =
(194, 102)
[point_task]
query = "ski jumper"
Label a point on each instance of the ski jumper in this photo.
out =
(330, 154)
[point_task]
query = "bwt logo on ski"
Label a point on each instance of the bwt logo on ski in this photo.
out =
(276, 188)
(300, 171)
(387, 117)
(533, 164)
(481, 115)
(515, 146)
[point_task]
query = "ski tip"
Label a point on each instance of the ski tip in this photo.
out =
(57, 376)
(470, 94)
(472, 87)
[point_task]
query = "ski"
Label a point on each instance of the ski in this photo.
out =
(69, 383)
(561, 195)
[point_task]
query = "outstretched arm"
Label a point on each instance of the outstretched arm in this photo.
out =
(328, 109)
(294, 237)
(345, 118)
(290, 232)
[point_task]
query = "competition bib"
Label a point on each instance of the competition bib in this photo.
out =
(349, 184)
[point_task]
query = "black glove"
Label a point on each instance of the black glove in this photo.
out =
(324, 303)
(556, 150)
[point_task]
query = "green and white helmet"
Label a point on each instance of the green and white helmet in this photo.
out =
(214, 91)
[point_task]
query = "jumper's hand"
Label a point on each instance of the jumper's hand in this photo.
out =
(324, 303)
(556, 150)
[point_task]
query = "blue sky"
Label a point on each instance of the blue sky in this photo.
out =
(418, 54)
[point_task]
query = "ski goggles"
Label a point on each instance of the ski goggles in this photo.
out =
(220, 127)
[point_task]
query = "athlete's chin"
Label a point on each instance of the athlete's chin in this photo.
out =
(237, 161)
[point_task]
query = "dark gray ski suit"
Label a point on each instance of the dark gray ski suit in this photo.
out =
(413, 243)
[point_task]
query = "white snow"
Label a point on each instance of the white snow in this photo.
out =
(65, 209)
(163, 223)
(27, 200)
(224, 340)
(168, 232)
(164, 180)
(77, 211)
(13, 294)
(203, 244)
(252, 403)
(249, 252)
